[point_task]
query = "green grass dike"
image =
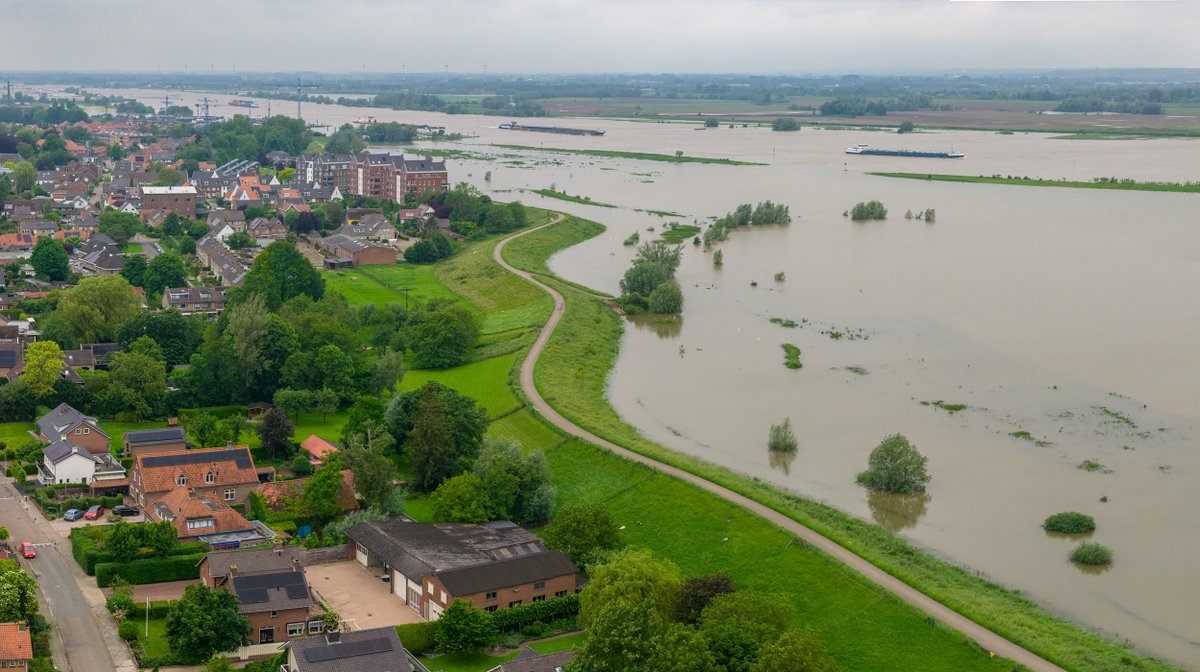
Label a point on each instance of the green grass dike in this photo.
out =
(1098, 183)
(865, 627)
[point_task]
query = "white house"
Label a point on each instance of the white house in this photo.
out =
(65, 462)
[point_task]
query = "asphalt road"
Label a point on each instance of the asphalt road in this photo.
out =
(987, 639)
(75, 630)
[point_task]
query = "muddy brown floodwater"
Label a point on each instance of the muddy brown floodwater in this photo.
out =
(1065, 320)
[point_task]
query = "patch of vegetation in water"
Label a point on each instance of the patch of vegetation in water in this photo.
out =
(791, 356)
(783, 322)
(632, 239)
(644, 156)
(1117, 417)
(858, 370)
(949, 408)
(1026, 436)
(662, 213)
(1090, 465)
(1096, 183)
(845, 333)
(1091, 554)
(1070, 522)
(677, 233)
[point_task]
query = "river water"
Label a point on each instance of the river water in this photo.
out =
(1068, 314)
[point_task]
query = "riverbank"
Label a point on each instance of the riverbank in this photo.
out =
(572, 377)
(1107, 183)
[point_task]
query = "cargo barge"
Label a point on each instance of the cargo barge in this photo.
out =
(514, 126)
(867, 149)
(241, 102)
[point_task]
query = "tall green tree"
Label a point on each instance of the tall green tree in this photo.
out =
(443, 432)
(796, 652)
(120, 226)
(739, 625)
(279, 273)
(43, 367)
(325, 401)
(895, 465)
(18, 596)
(205, 621)
(137, 383)
(97, 306)
(517, 486)
(177, 334)
(623, 636)
(165, 270)
(24, 176)
(463, 629)
(49, 259)
(235, 425)
(275, 433)
(134, 270)
(293, 402)
(203, 427)
(334, 368)
(366, 453)
(631, 576)
(460, 499)
(443, 338)
(585, 532)
(321, 501)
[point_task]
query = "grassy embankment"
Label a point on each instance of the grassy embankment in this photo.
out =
(644, 156)
(867, 629)
(562, 196)
(1188, 187)
(572, 376)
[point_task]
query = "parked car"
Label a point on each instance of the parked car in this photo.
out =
(126, 511)
(94, 513)
(73, 515)
(28, 550)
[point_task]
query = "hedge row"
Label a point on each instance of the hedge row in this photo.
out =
(85, 548)
(152, 570)
(418, 637)
(30, 470)
(545, 611)
(157, 610)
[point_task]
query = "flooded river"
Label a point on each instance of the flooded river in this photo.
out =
(1069, 315)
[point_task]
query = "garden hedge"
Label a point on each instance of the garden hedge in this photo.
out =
(150, 570)
(545, 611)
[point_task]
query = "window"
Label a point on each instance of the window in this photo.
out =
(561, 593)
(78, 431)
(315, 626)
(210, 477)
(490, 596)
(181, 480)
(490, 607)
(86, 431)
(274, 614)
(540, 585)
(444, 600)
(199, 523)
(295, 629)
(539, 598)
(514, 603)
(230, 493)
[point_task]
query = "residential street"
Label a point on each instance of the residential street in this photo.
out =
(88, 647)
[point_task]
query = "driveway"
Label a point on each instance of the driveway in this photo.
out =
(156, 592)
(358, 596)
(64, 527)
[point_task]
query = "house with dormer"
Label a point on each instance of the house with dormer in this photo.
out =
(66, 423)
(65, 462)
(226, 473)
(201, 516)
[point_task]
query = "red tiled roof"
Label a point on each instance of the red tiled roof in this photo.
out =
(317, 447)
(222, 462)
(14, 642)
(185, 505)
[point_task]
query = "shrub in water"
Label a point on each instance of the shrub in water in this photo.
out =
(1091, 554)
(1070, 522)
(782, 438)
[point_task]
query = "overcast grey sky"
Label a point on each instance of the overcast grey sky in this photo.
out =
(770, 36)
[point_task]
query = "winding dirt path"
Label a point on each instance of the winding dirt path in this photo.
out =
(987, 639)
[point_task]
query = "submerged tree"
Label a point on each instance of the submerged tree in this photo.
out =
(895, 466)
(782, 438)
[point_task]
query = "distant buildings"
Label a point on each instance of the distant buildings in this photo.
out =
(379, 176)
(195, 300)
(179, 200)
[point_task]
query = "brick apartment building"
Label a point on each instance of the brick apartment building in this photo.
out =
(227, 473)
(179, 200)
(379, 176)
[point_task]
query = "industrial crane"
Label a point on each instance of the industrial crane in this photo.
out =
(300, 86)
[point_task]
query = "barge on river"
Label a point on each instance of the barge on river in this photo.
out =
(514, 126)
(242, 102)
(867, 149)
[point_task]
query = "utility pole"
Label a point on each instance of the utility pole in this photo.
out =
(300, 86)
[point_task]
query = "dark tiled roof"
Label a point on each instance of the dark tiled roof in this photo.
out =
(538, 662)
(62, 419)
(418, 549)
(505, 573)
(357, 651)
(271, 591)
(254, 561)
(141, 437)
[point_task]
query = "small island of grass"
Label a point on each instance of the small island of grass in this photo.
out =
(1091, 554)
(1070, 522)
(644, 156)
(1096, 183)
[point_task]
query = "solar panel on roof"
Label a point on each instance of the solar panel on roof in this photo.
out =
(240, 457)
(8, 358)
(154, 435)
(344, 649)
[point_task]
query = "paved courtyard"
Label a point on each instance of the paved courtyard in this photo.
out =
(358, 596)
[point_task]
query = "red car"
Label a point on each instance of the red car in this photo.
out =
(28, 550)
(94, 512)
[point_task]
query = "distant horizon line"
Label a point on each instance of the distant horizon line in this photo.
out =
(894, 71)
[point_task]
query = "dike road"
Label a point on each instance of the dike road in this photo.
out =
(985, 638)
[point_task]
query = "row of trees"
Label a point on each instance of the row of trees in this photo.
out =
(746, 214)
(503, 484)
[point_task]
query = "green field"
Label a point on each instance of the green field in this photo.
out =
(13, 434)
(506, 301)
(464, 662)
(385, 284)
(486, 381)
(526, 429)
(1189, 187)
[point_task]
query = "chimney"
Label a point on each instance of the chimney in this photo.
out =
(295, 564)
(333, 637)
(233, 570)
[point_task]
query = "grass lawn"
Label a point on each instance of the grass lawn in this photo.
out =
(526, 429)
(507, 302)
(572, 641)
(13, 434)
(419, 509)
(464, 662)
(156, 646)
(486, 381)
(116, 431)
(384, 284)
(571, 375)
